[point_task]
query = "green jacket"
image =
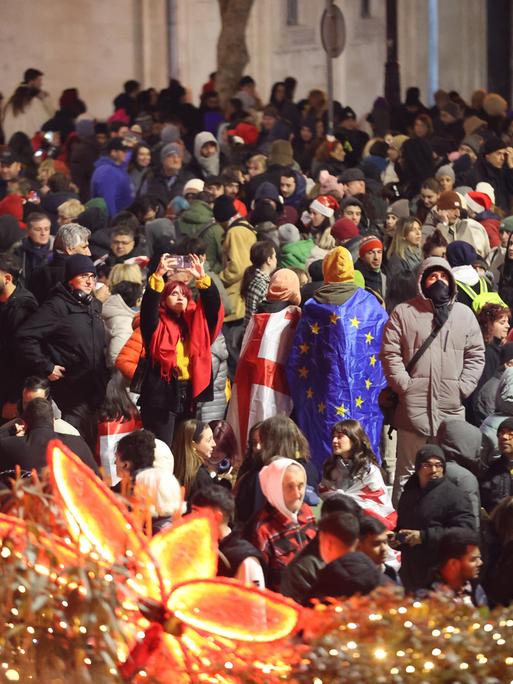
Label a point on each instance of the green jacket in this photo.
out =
(198, 222)
(295, 254)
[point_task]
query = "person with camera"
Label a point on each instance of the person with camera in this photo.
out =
(64, 341)
(430, 507)
(177, 333)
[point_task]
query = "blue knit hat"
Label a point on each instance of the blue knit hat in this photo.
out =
(461, 253)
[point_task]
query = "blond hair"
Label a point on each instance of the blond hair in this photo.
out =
(130, 273)
(259, 160)
(70, 209)
(399, 243)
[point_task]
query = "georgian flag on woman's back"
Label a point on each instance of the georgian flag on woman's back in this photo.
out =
(261, 389)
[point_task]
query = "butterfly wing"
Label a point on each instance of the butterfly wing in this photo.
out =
(227, 608)
(93, 512)
(186, 551)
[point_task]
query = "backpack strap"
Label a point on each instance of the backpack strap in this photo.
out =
(204, 228)
(469, 291)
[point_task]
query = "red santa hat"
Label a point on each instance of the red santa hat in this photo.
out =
(325, 205)
(478, 202)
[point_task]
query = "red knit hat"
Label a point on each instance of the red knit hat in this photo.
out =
(368, 243)
(325, 205)
(344, 229)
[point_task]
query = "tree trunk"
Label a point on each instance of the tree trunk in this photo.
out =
(232, 52)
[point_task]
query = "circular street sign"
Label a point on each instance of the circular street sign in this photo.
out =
(333, 31)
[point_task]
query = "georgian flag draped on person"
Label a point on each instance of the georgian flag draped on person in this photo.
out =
(261, 389)
(373, 497)
(334, 370)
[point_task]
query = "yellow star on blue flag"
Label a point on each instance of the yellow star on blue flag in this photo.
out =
(339, 345)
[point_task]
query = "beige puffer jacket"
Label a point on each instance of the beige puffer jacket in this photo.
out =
(446, 373)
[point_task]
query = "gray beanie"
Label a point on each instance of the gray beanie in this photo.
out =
(170, 148)
(400, 208)
(169, 134)
(288, 233)
(446, 170)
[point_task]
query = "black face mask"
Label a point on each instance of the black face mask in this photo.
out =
(438, 293)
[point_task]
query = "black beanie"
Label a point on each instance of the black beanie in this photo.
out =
(224, 209)
(429, 451)
(508, 423)
(78, 264)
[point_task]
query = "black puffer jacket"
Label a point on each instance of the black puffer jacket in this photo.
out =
(435, 510)
(13, 313)
(69, 333)
(496, 483)
(42, 281)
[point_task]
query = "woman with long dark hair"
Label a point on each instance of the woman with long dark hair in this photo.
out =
(139, 168)
(177, 335)
(24, 112)
(352, 469)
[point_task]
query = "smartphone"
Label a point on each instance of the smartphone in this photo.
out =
(179, 261)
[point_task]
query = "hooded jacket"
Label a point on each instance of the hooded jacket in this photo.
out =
(118, 318)
(198, 221)
(238, 241)
(461, 444)
(203, 167)
(278, 533)
(112, 182)
(449, 369)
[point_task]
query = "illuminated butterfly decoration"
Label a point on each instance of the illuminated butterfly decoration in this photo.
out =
(173, 574)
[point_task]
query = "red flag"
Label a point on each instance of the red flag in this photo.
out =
(261, 389)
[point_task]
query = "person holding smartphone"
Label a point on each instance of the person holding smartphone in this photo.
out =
(177, 334)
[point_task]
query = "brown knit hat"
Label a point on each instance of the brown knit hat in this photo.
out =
(284, 287)
(449, 200)
(281, 153)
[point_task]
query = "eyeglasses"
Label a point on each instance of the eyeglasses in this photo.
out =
(427, 465)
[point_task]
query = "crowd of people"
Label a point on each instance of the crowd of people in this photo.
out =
(306, 332)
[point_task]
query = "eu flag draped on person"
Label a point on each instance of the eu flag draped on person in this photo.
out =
(333, 369)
